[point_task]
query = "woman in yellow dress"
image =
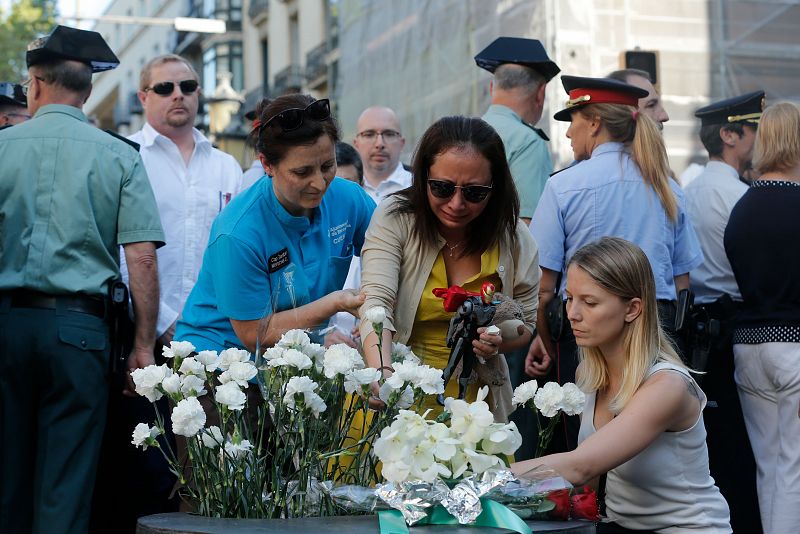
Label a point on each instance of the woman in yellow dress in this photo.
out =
(458, 224)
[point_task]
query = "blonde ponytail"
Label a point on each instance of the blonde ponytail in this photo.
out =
(626, 125)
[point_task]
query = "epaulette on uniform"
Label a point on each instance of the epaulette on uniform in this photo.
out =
(135, 145)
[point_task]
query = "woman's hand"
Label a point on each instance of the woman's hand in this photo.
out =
(374, 400)
(488, 343)
(348, 300)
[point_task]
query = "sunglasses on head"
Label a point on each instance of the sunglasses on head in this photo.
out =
(292, 119)
(165, 88)
(471, 193)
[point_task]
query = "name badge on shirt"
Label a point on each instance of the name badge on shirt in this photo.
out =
(278, 260)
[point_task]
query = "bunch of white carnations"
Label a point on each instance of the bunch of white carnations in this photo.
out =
(549, 401)
(416, 448)
(261, 459)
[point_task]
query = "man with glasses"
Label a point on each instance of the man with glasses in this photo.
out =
(70, 195)
(521, 71)
(192, 182)
(379, 143)
(13, 105)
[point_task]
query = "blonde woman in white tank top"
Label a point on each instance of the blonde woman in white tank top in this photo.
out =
(643, 422)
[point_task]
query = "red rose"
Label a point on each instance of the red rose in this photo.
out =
(584, 505)
(561, 499)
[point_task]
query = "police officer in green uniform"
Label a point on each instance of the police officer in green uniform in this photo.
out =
(521, 70)
(70, 194)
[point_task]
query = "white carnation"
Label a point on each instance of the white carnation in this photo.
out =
(188, 417)
(209, 358)
(470, 420)
(305, 386)
(212, 437)
(548, 399)
(193, 386)
(273, 353)
(237, 450)
(376, 315)
(294, 339)
(148, 380)
(171, 384)
(354, 380)
(144, 436)
(190, 366)
(231, 396)
(339, 359)
(404, 400)
(429, 380)
(177, 349)
(402, 353)
(239, 372)
(574, 399)
(524, 392)
(229, 356)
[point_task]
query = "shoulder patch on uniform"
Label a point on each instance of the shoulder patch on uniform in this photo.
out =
(134, 144)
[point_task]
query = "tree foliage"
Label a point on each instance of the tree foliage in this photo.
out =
(25, 21)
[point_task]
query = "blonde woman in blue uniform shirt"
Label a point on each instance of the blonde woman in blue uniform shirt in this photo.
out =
(622, 187)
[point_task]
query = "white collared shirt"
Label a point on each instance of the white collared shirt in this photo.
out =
(398, 180)
(189, 198)
(710, 197)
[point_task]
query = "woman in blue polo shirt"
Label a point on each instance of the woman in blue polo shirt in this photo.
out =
(283, 247)
(621, 187)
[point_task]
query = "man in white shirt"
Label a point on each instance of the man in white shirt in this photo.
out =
(379, 142)
(192, 180)
(728, 130)
(651, 105)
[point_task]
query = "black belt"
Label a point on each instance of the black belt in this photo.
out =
(75, 303)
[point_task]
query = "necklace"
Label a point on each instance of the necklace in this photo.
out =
(452, 248)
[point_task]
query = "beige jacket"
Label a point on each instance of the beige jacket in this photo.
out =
(396, 266)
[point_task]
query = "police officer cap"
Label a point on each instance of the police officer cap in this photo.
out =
(520, 51)
(739, 109)
(583, 91)
(71, 43)
(11, 94)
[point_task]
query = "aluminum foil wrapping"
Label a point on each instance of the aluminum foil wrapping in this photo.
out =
(412, 498)
(350, 497)
(463, 501)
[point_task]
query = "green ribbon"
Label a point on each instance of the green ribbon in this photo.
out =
(494, 515)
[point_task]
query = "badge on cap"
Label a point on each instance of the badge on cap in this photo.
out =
(71, 43)
(583, 91)
(745, 109)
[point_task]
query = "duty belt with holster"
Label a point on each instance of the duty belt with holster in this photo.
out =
(710, 328)
(121, 328)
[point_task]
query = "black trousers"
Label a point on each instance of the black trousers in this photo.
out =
(53, 394)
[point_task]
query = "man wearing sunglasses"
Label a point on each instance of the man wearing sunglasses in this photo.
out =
(70, 195)
(521, 70)
(13, 105)
(192, 182)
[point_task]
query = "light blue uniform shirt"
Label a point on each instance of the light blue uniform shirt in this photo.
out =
(261, 259)
(606, 196)
(527, 153)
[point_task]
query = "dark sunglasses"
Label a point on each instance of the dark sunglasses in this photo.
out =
(165, 88)
(471, 193)
(292, 119)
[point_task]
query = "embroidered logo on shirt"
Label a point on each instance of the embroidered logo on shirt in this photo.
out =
(338, 232)
(278, 260)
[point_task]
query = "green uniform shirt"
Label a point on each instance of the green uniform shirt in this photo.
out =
(527, 154)
(70, 194)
